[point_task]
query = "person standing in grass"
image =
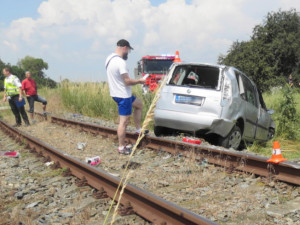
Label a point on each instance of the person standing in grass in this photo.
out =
(120, 83)
(29, 86)
(13, 93)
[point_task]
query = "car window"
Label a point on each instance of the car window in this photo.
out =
(196, 76)
(240, 84)
(246, 89)
(250, 92)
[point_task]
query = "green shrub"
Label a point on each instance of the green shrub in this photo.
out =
(287, 115)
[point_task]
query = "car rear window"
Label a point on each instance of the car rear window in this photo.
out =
(195, 76)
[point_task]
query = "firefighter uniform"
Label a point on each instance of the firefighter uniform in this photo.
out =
(12, 85)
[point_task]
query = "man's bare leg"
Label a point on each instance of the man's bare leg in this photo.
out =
(44, 108)
(124, 120)
(137, 115)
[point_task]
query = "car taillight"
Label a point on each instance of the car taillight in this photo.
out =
(227, 92)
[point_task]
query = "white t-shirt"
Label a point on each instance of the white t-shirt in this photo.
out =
(116, 67)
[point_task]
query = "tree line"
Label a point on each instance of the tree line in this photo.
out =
(34, 65)
(272, 53)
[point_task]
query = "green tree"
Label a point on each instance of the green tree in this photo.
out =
(34, 65)
(37, 66)
(272, 53)
(2, 65)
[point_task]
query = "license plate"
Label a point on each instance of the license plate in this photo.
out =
(192, 100)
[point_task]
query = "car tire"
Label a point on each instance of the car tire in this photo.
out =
(271, 133)
(160, 131)
(233, 139)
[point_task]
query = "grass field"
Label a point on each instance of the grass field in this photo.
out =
(92, 99)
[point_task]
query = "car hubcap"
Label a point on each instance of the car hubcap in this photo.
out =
(235, 140)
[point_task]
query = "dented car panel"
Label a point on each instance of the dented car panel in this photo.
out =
(212, 99)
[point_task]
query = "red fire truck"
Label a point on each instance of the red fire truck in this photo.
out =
(156, 67)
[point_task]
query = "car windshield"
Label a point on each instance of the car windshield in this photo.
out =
(196, 76)
(157, 66)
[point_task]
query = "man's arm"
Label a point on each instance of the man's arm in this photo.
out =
(23, 89)
(19, 85)
(20, 94)
(129, 82)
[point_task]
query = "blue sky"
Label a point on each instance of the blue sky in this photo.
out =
(75, 36)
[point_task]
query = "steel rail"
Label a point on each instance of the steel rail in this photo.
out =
(233, 160)
(143, 203)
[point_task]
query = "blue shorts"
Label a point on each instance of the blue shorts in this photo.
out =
(125, 105)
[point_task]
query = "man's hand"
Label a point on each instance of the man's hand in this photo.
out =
(142, 81)
(20, 98)
(27, 95)
(4, 99)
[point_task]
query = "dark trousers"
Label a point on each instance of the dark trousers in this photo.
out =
(18, 110)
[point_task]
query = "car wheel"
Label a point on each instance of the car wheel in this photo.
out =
(233, 139)
(160, 131)
(271, 133)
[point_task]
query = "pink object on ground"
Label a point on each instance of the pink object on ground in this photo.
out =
(12, 154)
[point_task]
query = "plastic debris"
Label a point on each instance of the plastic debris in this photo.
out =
(81, 145)
(93, 161)
(10, 154)
(192, 141)
(49, 163)
(167, 157)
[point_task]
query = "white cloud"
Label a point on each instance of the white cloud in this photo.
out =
(10, 45)
(77, 33)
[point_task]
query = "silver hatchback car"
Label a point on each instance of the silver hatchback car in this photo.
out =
(213, 100)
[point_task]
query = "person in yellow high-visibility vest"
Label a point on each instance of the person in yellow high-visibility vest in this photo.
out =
(13, 93)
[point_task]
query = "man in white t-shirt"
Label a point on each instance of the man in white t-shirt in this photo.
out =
(120, 84)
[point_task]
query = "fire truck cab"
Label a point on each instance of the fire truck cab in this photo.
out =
(155, 67)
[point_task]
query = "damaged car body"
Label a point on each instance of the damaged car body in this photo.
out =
(205, 99)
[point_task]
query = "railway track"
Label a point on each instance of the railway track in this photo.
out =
(232, 160)
(134, 199)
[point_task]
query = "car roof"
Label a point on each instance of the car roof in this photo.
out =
(202, 64)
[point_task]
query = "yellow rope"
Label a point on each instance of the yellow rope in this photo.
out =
(125, 175)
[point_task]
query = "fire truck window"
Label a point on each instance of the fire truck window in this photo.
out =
(157, 66)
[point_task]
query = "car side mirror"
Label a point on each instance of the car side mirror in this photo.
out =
(270, 111)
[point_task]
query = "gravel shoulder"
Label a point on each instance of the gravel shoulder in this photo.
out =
(32, 193)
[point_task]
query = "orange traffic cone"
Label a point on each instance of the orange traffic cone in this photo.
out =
(276, 154)
(177, 59)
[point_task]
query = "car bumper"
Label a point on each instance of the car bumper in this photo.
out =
(193, 122)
